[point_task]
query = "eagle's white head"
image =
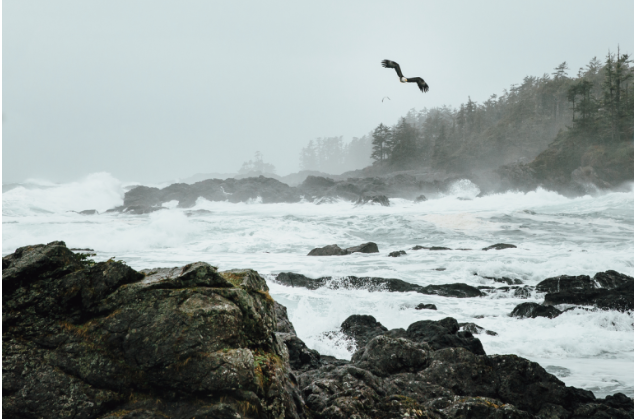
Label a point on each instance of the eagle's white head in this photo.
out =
(404, 80)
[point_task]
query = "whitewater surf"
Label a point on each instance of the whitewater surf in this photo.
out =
(554, 235)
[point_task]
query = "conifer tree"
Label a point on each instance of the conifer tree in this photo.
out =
(381, 143)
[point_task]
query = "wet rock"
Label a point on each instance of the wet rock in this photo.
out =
(330, 250)
(283, 324)
(524, 292)
(397, 253)
(349, 282)
(418, 247)
(618, 401)
(499, 377)
(611, 279)
(500, 246)
(458, 290)
(444, 334)
(362, 328)
(607, 280)
(384, 356)
(374, 199)
(533, 310)
(420, 198)
(105, 341)
(300, 356)
(426, 307)
(88, 340)
(620, 298)
(136, 209)
(335, 250)
(291, 279)
(475, 329)
(565, 283)
(369, 247)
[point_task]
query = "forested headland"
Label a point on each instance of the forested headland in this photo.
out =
(549, 130)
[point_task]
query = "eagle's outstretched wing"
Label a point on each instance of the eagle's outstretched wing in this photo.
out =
(392, 64)
(423, 86)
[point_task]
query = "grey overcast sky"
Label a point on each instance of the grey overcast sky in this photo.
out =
(156, 90)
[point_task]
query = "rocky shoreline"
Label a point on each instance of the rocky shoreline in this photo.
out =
(375, 189)
(101, 340)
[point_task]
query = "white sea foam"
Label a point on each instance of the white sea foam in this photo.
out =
(554, 235)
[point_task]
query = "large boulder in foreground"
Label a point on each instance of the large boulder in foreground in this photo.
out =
(95, 340)
(101, 340)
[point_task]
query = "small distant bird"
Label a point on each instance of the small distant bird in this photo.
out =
(385, 98)
(423, 86)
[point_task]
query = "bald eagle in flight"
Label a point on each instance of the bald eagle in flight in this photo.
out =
(423, 86)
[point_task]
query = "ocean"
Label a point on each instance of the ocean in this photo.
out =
(554, 235)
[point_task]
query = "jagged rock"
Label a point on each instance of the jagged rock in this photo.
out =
(565, 283)
(611, 279)
(104, 341)
(88, 340)
(420, 198)
(500, 246)
(608, 280)
(608, 290)
(374, 199)
(426, 307)
(330, 250)
(475, 329)
(500, 377)
(300, 356)
(620, 298)
(444, 334)
(335, 250)
(397, 253)
(362, 328)
(283, 324)
(384, 356)
(533, 310)
(458, 290)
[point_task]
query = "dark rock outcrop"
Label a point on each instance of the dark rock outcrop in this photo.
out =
(102, 340)
(620, 298)
(444, 334)
(420, 198)
(397, 253)
(374, 199)
(533, 310)
(500, 246)
(608, 290)
(362, 328)
(369, 247)
(425, 307)
(418, 247)
(283, 324)
(335, 250)
(457, 290)
(475, 329)
(330, 250)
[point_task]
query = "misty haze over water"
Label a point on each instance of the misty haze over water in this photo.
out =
(159, 134)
